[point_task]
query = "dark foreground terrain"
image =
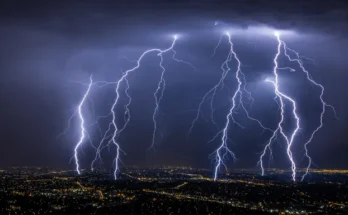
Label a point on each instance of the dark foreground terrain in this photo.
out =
(171, 190)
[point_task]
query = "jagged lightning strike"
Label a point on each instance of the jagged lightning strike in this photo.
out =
(223, 151)
(220, 84)
(83, 128)
(124, 77)
(324, 104)
(107, 134)
(241, 89)
(159, 90)
(82, 125)
(223, 148)
(280, 96)
(158, 94)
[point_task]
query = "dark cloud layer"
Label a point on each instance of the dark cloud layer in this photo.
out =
(73, 17)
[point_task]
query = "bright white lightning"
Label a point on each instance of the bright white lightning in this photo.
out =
(98, 84)
(118, 83)
(324, 104)
(281, 96)
(82, 125)
(223, 151)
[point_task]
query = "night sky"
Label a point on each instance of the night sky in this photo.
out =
(47, 46)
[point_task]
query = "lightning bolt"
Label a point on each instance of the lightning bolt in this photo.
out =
(113, 125)
(82, 125)
(212, 91)
(113, 131)
(107, 134)
(158, 94)
(84, 133)
(243, 84)
(223, 150)
(298, 60)
(281, 96)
